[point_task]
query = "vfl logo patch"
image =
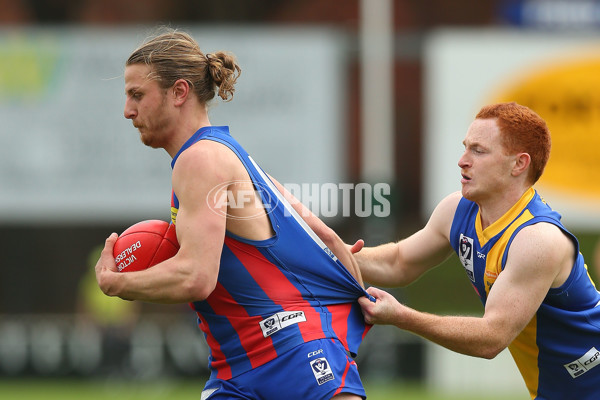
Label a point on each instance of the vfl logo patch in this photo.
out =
(465, 254)
(281, 320)
(321, 370)
(586, 362)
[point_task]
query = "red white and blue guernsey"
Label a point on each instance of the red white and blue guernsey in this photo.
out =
(558, 353)
(275, 294)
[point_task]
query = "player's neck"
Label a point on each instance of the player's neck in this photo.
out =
(496, 206)
(187, 126)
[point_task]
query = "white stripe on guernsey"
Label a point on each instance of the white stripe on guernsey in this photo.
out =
(291, 210)
(206, 393)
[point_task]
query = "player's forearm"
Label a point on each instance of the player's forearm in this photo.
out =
(338, 247)
(380, 265)
(472, 336)
(170, 282)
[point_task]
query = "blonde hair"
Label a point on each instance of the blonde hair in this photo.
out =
(174, 55)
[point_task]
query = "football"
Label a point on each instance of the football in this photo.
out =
(144, 245)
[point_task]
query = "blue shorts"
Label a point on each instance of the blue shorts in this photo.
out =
(317, 370)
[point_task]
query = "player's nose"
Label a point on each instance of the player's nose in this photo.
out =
(129, 112)
(463, 162)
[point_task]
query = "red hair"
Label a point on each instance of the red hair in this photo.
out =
(522, 131)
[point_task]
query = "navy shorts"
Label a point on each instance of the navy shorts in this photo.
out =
(317, 370)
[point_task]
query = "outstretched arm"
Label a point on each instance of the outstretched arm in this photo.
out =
(400, 263)
(540, 258)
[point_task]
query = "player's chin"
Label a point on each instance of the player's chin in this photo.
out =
(466, 192)
(149, 140)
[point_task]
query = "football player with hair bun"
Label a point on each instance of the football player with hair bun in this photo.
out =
(278, 308)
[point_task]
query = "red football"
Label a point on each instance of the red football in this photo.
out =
(145, 244)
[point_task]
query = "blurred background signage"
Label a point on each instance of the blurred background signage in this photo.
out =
(69, 155)
(554, 74)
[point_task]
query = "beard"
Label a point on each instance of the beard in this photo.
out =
(150, 139)
(153, 132)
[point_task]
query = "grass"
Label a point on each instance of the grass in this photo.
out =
(68, 389)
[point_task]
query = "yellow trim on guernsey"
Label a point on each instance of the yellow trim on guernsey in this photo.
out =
(524, 348)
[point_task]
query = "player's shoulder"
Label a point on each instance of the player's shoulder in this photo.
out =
(452, 199)
(204, 165)
(543, 241)
(205, 155)
(443, 214)
(448, 205)
(545, 248)
(543, 235)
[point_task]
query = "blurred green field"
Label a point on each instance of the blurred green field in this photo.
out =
(45, 389)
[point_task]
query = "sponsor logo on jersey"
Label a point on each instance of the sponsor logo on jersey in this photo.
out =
(583, 364)
(465, 254)
(314, 353)
(281, 320)
(322, 371)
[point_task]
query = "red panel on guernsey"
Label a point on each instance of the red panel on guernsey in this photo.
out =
(339, 323)
(258, 348)
(219, 363)
(277, 286)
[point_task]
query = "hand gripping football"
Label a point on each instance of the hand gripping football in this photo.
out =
(144, 245)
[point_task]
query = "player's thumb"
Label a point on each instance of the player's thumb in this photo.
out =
(375, 292)
(366, 306)
(109, 245)
(364, 301)
(356, 247)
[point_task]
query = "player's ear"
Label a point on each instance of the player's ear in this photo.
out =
(180, 90)
(522, 162)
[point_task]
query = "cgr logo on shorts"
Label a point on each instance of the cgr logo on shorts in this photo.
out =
(322, 371)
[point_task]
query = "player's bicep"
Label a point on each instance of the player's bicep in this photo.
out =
(532, 264)
(424, 249)
(200, 229)
(201, 217)
(430, 246)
